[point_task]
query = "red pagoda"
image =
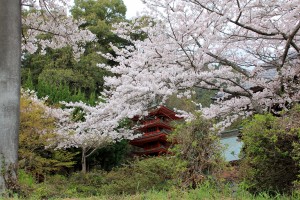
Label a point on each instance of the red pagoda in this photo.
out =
(155, 128)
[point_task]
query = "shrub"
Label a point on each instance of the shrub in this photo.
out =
(26, 182)
(199, 147)
(271, 150)
(141, 175)
(36, 129)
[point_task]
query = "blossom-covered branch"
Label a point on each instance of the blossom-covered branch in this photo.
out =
(46, 23)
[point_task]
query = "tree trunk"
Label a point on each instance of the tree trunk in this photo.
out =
(83, 161)
(10, 64)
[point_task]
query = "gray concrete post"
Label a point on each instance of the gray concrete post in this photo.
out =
(10, 64)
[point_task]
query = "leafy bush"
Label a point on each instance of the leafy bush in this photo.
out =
(199, 147)
(26, 182)
(36, 130)
(271, 152)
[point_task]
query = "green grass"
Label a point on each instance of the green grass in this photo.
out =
(144, 180)
(197, 194)
(206, 192)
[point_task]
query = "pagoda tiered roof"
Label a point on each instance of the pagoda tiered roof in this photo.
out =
(163, 110)
(160, 111)
(154, 123)
(154, 128)
(160, 136)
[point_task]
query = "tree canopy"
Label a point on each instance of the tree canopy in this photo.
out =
(246, 50)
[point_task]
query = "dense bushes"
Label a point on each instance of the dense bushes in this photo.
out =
(125, 185)
(271, 152)
(155, 173)
(151, 173)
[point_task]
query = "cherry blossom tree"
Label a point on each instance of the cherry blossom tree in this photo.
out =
(248, 50)
(243, 49)
(91, 133)
(76, 133)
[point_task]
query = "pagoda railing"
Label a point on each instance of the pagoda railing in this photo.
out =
(157, 132)
(152, 121)
(149, 149)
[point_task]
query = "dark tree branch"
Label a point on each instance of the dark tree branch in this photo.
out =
(234, 93)
(288, 44)
(224, 61)
(236, 22)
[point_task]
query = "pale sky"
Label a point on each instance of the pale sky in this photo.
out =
(133, 6)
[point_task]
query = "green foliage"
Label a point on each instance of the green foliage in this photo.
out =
(69, 77)
(36, 131)
(52, 59)
(58, 75)
(155, 173)
(61, 84)
(105, 158)
(100, 15)
(28, 82)
(199, 147)
(61, 92)
(207, 191)
(109, 157)
(181, 103)
(52, 187)
(201, 96)
(27, 183)
(204, 96)
(142, 175)
(138, 176)
(88, 187)
(271, 152)
(56, 69)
